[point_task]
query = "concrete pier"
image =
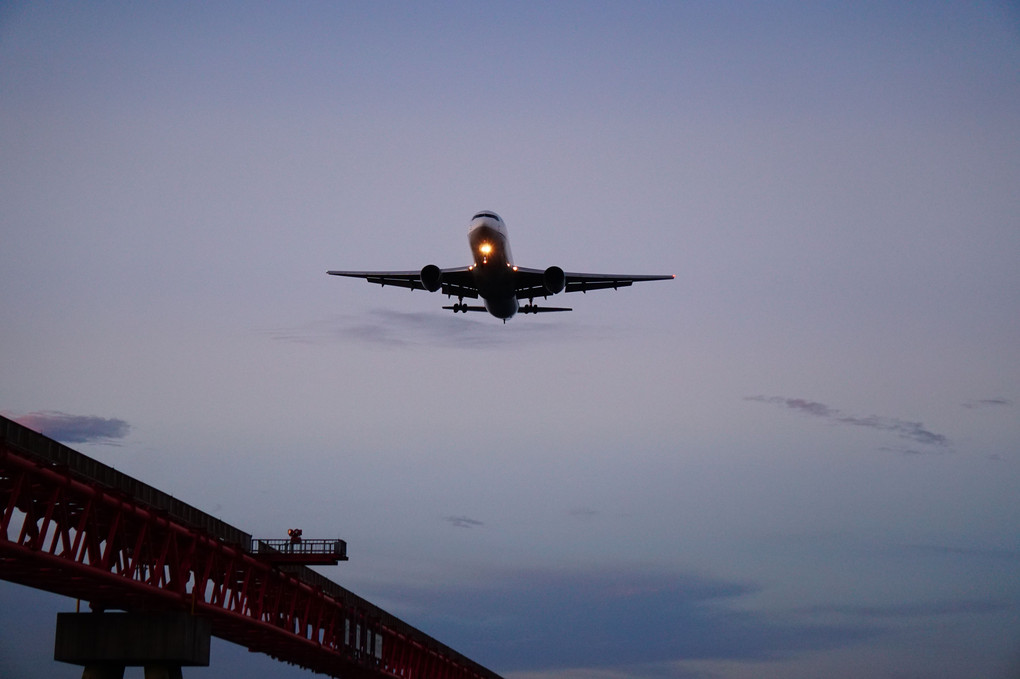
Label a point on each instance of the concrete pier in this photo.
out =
(106, 643)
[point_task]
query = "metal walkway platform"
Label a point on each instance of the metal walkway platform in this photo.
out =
(304, 551)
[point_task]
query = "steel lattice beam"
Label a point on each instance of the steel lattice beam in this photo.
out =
(73, 536)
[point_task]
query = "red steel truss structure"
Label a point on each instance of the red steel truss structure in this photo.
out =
(76, 527)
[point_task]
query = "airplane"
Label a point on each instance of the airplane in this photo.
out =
(495, 278)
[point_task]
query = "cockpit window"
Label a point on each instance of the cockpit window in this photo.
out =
(491, 215)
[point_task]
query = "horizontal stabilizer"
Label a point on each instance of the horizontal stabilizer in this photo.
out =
(465, 308)
(535, 309)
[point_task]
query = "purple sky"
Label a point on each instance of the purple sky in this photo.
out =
(798, 459)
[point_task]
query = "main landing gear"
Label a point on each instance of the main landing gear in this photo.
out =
(459, 306)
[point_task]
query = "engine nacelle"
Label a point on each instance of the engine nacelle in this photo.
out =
(431, 277)
(554, 279)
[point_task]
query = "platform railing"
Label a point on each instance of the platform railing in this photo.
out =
(296, 550)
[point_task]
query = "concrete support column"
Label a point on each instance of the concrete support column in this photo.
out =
(106, 643)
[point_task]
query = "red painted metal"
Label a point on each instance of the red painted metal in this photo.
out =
(64, 531)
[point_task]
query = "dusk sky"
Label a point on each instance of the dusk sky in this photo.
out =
(801, 458)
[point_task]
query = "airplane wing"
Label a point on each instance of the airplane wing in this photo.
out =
(531, 282)
(457, 281)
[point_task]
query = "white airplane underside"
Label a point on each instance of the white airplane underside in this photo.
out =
(494, 278)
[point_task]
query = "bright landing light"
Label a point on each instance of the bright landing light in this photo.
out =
(485, 248)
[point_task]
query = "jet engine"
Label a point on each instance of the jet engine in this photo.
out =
(553, 279)
(431, 277)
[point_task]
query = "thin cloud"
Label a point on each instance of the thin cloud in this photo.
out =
(463, 521)
(808, 407)
(904, 451)
(995, 553)
(75, 428)
(912, 431)
(926, 609)
(399, 329)
(535, 619)
(988, 403)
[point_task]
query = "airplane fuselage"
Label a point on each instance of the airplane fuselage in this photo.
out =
(493, 266)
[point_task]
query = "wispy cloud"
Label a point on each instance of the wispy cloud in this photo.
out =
(924, 609)
(901, 450)
(463, 521)
(912, 431)
(75, 428)
(995, 553)
(397, 329)
(536, 619)
(988, 403)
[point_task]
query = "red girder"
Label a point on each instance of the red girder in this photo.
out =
(73, 536)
